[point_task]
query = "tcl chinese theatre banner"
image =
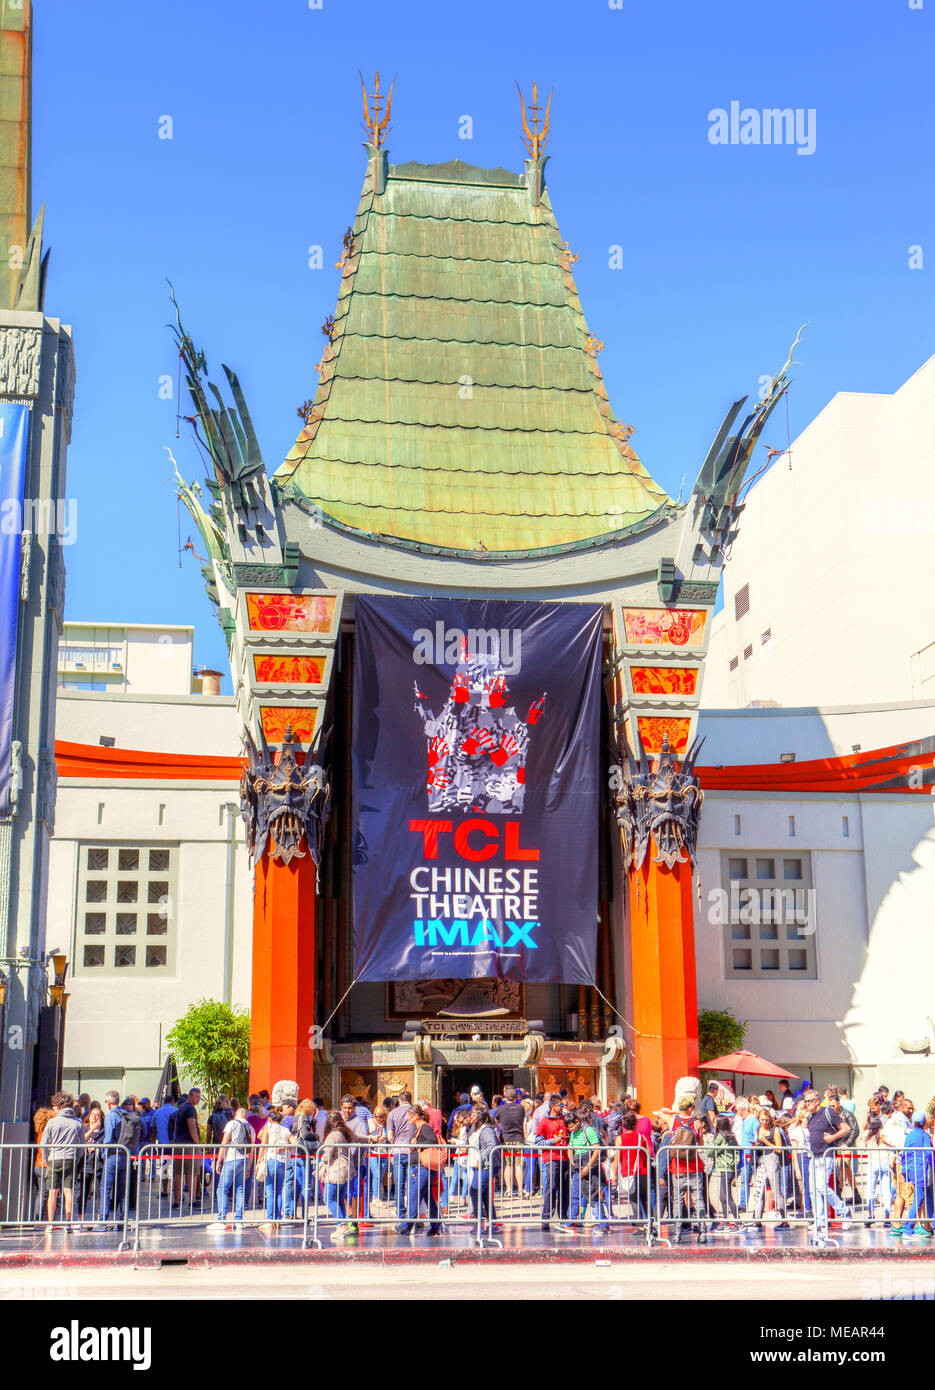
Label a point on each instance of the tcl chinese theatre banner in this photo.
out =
(476, 771)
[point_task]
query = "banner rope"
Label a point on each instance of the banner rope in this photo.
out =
(637, 1032)
(338, 1004)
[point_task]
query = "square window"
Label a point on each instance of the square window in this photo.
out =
(158, 890)
(124, 955)
(128, 890)
(158, 860)
(795, 930)
(128, 859)
(742, 960)
(156, 924)
(769, 931)
(769, 960)
(798, 960)
(766, 868)
(95, 923)
(739, 932)
(94, 955)
(792, 869)
(97, 859)
(155, 955)
(95, 890)
(126, 924)
(737, 868)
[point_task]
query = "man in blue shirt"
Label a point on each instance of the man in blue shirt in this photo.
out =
(918, 1164)
(163, 1119)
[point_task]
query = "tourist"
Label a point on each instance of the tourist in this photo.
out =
(256, 1114)
(218, 1120)
(163, 1119)
(377, 1157)
(918, 1166)
(509, 1118)
(122, 1130)
(709, 1110)
(481, 1152)
(552, 1139)
(234, 1161)
(456, 1186)
(41, 1118)
(62, 1147)
(632, 1159)
(93, 1163)
(147, 1121)
(786, 1098)
(770, 1142)
(587, 1178)
(399, 1132)
(685, 1175)
(274, 1145)
(434, 1118)
(423, 1177)
(185, 1137)
(463, 1106)
(725, 1159)
(305, 1144)
(823, 1134)
(362, 1127)
(334, 1167)
(880, 1169)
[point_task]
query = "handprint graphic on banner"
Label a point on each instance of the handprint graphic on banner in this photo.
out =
(477, 744)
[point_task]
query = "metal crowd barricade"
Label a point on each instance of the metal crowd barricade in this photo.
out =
(571, 1189)
(398, 1187)
(75, 1188)
(191, 1185)
(882, 1186)
(704, 1187)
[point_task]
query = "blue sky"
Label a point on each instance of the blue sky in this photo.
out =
(726, 249)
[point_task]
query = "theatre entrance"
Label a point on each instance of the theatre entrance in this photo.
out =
(457, 1081)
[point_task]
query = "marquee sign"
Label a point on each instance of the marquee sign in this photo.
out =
(476, 772)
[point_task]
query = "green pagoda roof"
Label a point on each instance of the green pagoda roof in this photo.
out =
(459, 401)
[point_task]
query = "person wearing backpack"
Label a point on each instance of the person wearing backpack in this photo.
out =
(123, 1128)
(305, 1138)
(234, 1162)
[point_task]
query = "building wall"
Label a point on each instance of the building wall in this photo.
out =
(873, 870)
(143, 660)
(837, 545)
(117, 1024)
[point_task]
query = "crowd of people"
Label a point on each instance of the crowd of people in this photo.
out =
(725, 1163)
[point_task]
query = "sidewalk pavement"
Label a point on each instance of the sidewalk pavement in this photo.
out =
(188, 1243)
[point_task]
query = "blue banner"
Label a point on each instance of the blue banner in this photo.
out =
(476, 785)
(14, 437)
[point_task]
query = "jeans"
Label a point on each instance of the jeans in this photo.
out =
(821, 1194)
(376, 1174)
(275, 1178)
(231, 1187)
(115, 1182)
(293, 1187)
(480, 1194)
(419, 1189)
(401, 1181)
(880, 1177)
(554, 1189)
(336, 1199)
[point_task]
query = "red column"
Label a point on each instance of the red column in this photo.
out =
(662, 962)
(283, 991)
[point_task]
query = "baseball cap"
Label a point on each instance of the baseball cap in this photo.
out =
(918, 1117)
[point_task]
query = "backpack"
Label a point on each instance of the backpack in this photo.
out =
(128, 1134)
(306, 1133)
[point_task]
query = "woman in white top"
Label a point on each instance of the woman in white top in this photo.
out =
(274, 1142)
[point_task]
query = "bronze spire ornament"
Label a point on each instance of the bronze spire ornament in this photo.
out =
(377, 124)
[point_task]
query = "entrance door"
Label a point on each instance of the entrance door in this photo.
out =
(457, 1081)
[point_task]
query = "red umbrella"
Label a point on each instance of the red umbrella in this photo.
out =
(747, 1064)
